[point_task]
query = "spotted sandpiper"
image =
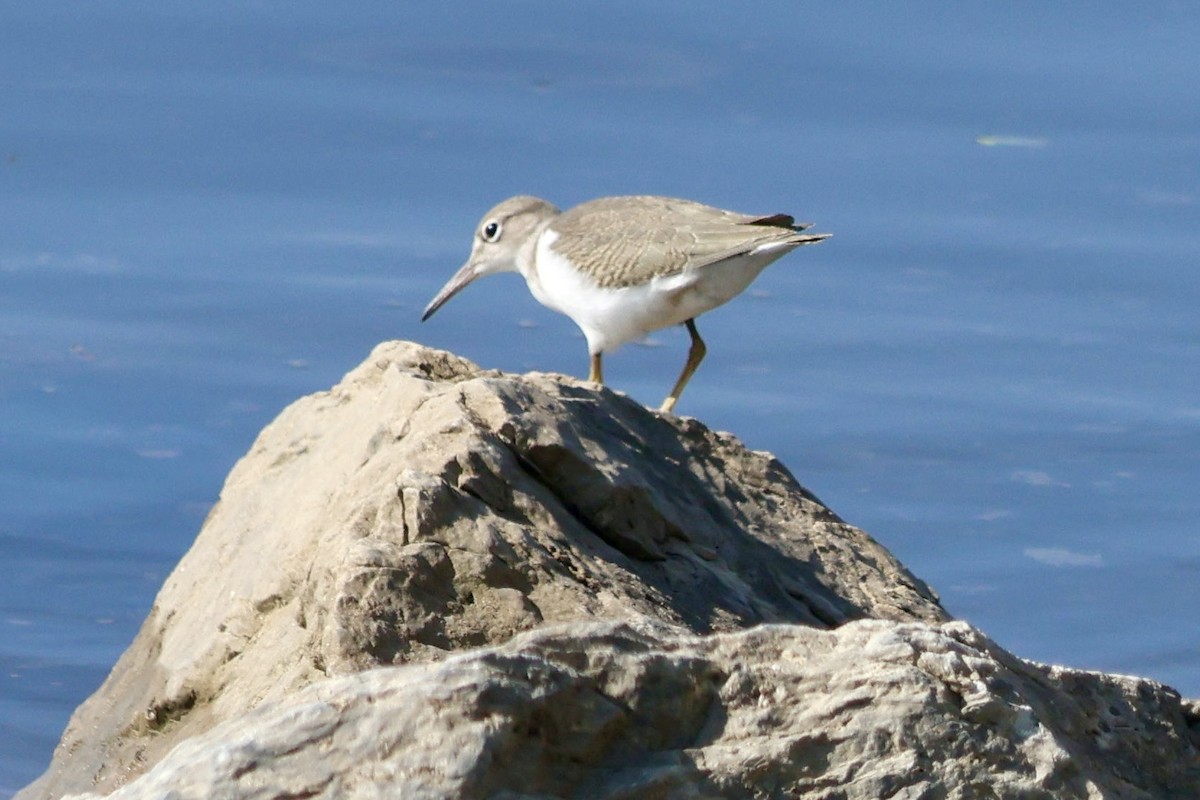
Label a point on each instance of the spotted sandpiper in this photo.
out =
(621, 267)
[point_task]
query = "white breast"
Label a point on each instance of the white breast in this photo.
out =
(611, 317)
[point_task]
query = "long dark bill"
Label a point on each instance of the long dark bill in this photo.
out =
(452, 287)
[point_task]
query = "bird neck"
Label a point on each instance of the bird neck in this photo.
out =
(526, 257)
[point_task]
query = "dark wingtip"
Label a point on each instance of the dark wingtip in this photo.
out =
(776, 221)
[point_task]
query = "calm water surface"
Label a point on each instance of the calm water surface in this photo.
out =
(207, 211)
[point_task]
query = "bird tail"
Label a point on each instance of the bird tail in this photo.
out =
(809, 238)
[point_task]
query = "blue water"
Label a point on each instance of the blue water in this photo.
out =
(209, 210)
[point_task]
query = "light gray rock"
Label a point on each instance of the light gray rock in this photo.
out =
(424, 506)
(873, 709)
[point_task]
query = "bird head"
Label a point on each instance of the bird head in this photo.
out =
(501, 241)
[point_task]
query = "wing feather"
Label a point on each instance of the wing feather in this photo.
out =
(622, 241)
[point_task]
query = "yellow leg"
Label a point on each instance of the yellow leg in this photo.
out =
(695, 356)
(596, 375)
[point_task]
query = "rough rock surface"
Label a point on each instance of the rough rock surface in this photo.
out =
(424, 506)
(874, 709)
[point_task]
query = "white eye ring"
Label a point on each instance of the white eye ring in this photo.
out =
(491, 230)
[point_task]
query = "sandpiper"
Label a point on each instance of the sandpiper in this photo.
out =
(621, 267)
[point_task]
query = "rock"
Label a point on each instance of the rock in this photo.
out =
(873, 709)
(423, 507)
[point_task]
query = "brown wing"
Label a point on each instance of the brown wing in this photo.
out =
(621, 241)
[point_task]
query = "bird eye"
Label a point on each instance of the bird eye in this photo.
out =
(491, 231)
